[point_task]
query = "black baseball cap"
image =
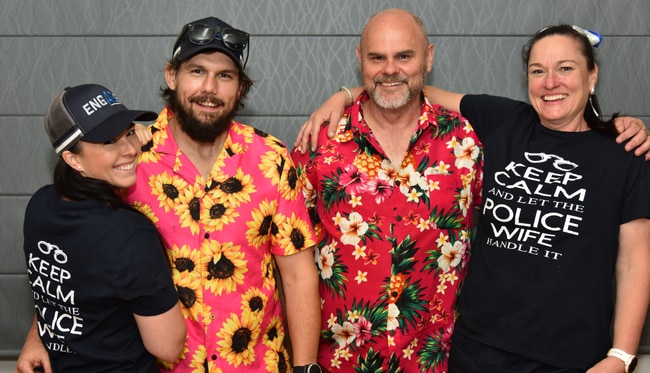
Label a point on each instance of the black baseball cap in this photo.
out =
(88, 112)
(211, 33)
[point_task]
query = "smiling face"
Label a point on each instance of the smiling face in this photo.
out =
(394, 58)
(559, 82)
(113, 162)
(206, 94)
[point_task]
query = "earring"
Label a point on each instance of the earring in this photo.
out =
(595, 107)
(593, 90)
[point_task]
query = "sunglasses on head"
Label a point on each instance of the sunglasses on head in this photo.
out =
(202, 34)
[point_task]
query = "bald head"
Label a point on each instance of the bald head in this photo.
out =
(395, 19)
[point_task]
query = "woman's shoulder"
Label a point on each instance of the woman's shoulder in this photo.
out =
(46, 191)
(40, 204)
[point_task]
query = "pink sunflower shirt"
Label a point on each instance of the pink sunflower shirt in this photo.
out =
(221, 234)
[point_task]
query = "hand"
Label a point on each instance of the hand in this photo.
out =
(331, 111)
(33, 359)
(608, 365)
(639, 135)
(144, 135)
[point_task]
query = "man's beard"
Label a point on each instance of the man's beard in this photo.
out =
(412, 92)
(203, 130)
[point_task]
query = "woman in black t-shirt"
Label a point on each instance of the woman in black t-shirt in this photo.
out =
(101, 283)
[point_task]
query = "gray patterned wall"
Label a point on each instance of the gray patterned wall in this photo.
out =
(301, 51)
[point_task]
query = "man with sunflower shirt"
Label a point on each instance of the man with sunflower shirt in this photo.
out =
(226, 199)
(391, 197)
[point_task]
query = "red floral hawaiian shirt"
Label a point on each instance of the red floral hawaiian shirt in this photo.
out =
(221, 234)
(393, 240)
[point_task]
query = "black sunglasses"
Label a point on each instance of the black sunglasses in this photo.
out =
(202, 34)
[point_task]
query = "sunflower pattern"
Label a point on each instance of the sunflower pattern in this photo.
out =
(221, 234)
(393, 240)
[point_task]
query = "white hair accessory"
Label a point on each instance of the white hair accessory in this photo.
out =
(594, 37)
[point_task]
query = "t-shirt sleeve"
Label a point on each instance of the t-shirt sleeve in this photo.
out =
(146, 280)
(636, 204)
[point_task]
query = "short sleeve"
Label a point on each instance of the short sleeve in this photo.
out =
(294, 227)
(146, 281)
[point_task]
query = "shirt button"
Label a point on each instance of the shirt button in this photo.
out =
(392, 333)
(206, 236)
(211, 317)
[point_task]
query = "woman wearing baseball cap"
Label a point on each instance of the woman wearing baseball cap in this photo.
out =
(102, 288)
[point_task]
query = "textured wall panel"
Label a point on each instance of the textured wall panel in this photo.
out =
(12, 259)
(17, 312)
(293, 74)
(27, 157)
(342, 17)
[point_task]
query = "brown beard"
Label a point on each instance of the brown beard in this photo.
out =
(201, 130)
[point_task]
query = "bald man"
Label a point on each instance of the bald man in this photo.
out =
(391, 197)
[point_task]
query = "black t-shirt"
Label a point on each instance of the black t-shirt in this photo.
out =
(541, 275)
(91, 268)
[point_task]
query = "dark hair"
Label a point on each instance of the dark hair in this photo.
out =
(70, 184)
(593, 120)
(244, 80)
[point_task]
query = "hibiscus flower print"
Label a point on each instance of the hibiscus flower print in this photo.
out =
(353, 180)
(352, 229)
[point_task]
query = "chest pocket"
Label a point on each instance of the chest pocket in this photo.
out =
(445, 195)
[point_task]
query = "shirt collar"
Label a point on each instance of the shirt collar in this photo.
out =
(353, 125)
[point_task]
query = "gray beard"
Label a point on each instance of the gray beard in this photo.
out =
(393, 104)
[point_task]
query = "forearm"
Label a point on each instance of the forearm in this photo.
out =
(632, 285)
(33, 338)
(630, 313)
(302, 306)
(354, 93)
(163, 335)
(447, 99)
